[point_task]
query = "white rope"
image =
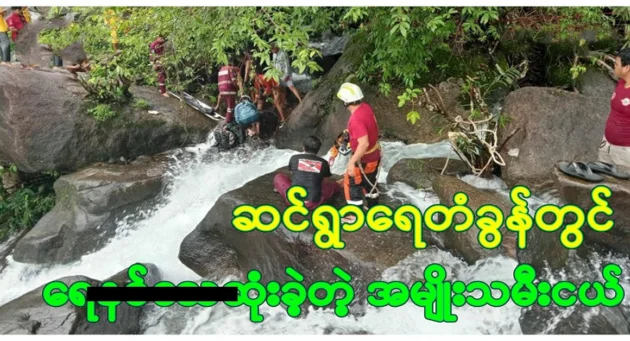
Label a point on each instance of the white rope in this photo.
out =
(492, 149)
(374, 187)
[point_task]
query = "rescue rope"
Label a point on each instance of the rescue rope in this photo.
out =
(374, 185)
(495, 156)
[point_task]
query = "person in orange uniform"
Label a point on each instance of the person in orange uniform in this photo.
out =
(361, 173)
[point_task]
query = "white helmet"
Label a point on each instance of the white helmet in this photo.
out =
(349, 93)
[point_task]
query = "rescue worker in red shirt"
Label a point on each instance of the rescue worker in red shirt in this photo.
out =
(156, 50)
(15, 22)
(361, 173)
(229, 82)
(615, 146)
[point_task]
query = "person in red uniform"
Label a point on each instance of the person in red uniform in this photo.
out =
(228, 86)
(362, 171)
(15, 22)
(157, 49)
(615, 145)
(311, 172)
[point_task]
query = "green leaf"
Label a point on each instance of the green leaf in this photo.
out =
(413, 116)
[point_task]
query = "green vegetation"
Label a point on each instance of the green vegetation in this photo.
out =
(142, 104)
(102, 112)
(22, 208)
(407, 48)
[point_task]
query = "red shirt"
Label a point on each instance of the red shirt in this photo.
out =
(227, 80)
(362, 122)
(157, 47)
(15, 21)
(260, 82)
(618, 124)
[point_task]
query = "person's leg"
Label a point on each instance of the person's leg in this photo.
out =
(281, 184)
(162, 81)
(369, 180)
(230, 101)
(329, 189)
(620, 156)
(604, 151)
(5, 47)
(277, 101)
(295, 92)
(353, 192)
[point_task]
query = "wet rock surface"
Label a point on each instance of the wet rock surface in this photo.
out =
(216, 246)
(577, 319)
(29, 314)
(466, 244)
(420, 173)
(573, 191)
(88, 205)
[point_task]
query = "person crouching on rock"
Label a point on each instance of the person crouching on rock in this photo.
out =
(311, 172)
(247, 116)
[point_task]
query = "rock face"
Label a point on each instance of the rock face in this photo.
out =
(44, 124)
(577, 192)
(577, 319)
(419, 173)
(466, 244)
(553, 125)
(216, 246)
(322, 114)
(595, 83)
(88, 204)
(29, 314)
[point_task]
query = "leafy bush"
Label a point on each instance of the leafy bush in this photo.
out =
(24, 207)
(102, 112)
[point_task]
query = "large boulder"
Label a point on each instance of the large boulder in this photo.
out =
(466, 244)
(215, 246)
(322, 114)
(44, 124)
(594, 83)
(573, 191)
(420, 173)
(576, 319)
(29, 314)
(88, 206)
(546, 126)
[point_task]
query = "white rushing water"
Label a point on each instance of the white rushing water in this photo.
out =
(197, 184)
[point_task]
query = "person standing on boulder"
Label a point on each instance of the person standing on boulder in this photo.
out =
(361, 173)
(156, 50)
(228, 87)
(5, 43)
(311, 172)
(615, 146)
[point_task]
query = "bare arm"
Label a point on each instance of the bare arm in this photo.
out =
(361, 149)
